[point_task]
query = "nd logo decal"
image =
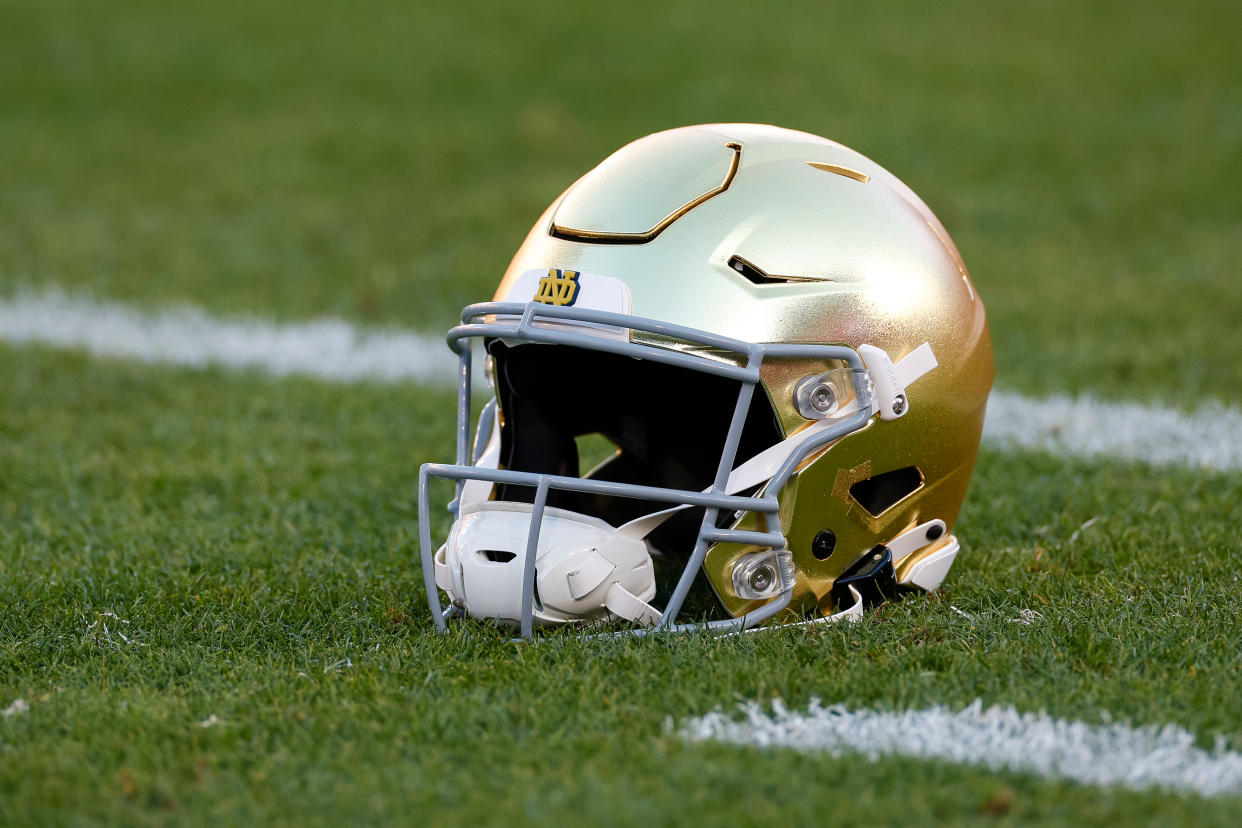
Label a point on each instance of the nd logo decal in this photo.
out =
(559, 287)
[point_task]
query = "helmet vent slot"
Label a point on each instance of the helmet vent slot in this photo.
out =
(881, 492)
(499, 556)
(754, 275)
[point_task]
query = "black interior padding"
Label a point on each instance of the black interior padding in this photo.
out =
(669, 423)
(881, 492)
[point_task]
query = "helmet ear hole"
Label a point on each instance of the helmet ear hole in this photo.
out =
(879, 493)
(824, 544)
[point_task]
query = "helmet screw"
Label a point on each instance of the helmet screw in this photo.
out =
(823, 545)
(899, 404)
(823, 398)
(755, 575)
(762, 578)
(816, 397)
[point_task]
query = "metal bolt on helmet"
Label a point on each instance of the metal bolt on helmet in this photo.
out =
(787, 354)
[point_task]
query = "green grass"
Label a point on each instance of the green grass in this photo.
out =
(257, 537)
(381, 161)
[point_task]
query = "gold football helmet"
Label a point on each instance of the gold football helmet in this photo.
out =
(784, 354)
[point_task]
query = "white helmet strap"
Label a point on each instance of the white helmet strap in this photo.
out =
(629, 606)
(889, 379)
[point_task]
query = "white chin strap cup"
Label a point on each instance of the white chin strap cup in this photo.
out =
(584, 569)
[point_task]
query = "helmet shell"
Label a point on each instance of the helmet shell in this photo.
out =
(777, 236)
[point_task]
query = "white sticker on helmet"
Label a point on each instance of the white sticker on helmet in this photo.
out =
(571, 288)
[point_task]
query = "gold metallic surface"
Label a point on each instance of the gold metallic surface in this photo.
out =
(839, 170)
(880, 269)
(559, 287)
(670, 175)
(845, 478)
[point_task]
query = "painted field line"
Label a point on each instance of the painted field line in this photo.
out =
(1207, 438)
(330, 349)
(996, 738)
(336, 350)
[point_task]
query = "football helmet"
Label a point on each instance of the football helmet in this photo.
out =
(783, 354)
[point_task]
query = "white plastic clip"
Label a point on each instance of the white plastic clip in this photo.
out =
(928, 573)
(851, 614)
(911, 541)
(620, 601)
(593, 571)
(891, 378)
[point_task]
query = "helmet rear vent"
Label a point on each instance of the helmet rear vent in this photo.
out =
(881, 492)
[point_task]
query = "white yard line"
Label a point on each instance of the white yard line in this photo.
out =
(998, 738)
(1208, 438)
(333, 349)
(330, 349)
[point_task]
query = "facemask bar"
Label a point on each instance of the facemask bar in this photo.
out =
(714, 500)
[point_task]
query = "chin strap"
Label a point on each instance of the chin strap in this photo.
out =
(850, 614)
(594, 571)
(620, 601)
(889, 379)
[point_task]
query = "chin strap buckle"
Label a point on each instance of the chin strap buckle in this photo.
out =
(872, 577)
(889, 379)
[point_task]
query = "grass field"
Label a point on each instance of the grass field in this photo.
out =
(186, 548)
